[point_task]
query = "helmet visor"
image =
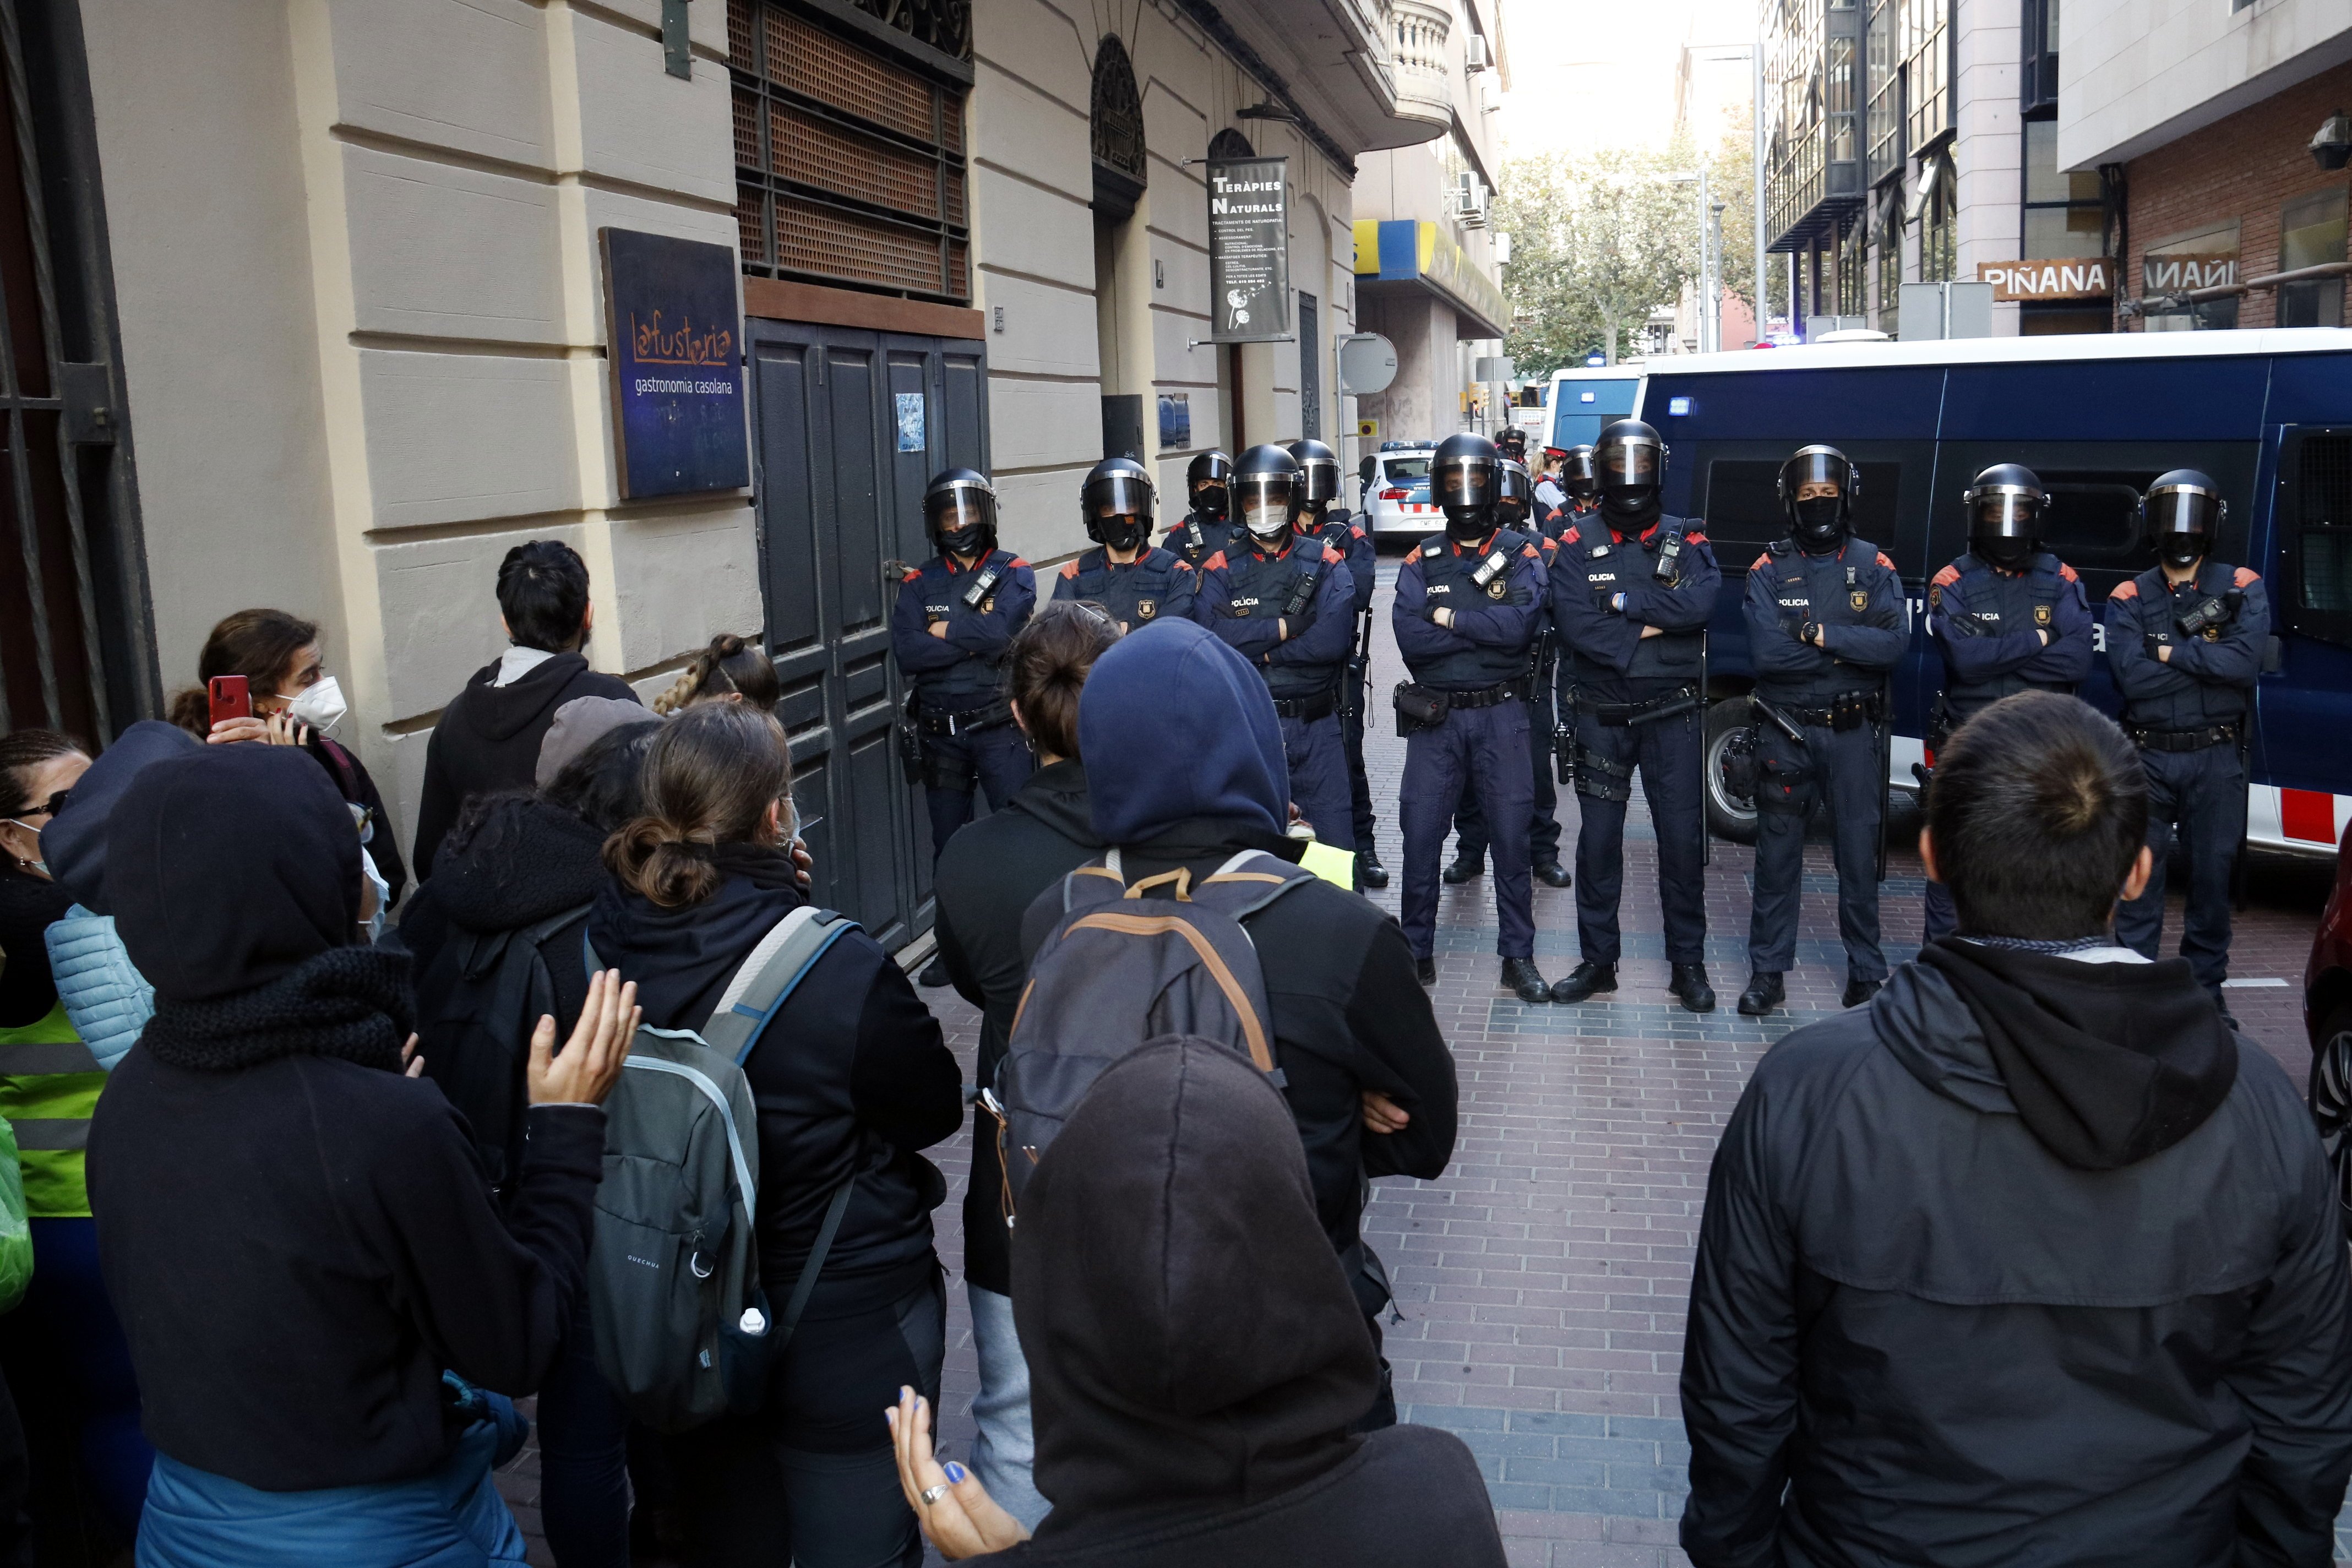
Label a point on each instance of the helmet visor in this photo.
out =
(1463, 482)
(1318, 481)
(1626, 463)
(1263, 502)
(2003, 514)
(1814, 468)
(2179, 510)
(1511, 484)
(1119, 495)
(959, 506)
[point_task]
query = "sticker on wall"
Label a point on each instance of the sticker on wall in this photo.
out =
(1175, 420)
(911, 422)
(1368, 429)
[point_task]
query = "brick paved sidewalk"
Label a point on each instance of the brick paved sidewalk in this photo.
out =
(1542, 1279)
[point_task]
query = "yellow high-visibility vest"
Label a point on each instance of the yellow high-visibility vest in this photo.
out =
(48, 1087)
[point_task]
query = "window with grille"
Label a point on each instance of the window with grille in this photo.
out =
(2321, 605)
(849, 163)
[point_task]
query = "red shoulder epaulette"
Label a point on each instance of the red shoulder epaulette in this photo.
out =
(1760, 562)
(1883, 561)
(1069, 569)
(912, 572)
(2067, 572)
(1182, 565)
(1530, 552)
(1947, 578)
(1332, 557)
(1551, 543)
(1215, 563)
(2127, 589)
(2247, 577)
(1018, 561)
(1693, 537)
(1355, 530)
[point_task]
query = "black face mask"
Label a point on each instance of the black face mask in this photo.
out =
(1819, 526)
(970, 541)
(1121, 533)
(1468, 525)
(1636, 503)
(2008, 553)
(2180, 550)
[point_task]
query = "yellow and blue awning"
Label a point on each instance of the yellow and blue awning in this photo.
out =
(1415, 251)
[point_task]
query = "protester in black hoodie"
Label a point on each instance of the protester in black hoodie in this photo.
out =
(488, 738)
(1190, 1411)
(1186, 768)
(2033, 1259)
(296, 1234)
(850, 1078)
(988, 875)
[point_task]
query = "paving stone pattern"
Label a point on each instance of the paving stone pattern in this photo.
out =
(1541, 1280)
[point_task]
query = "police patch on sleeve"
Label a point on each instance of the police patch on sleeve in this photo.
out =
(1859, 598)
(1497, 588)
(1936, 597)
(2040, 615)
(1146, 608)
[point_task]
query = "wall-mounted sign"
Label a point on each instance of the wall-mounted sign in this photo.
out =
(1175, 420)
(2175, 271)
(1368, 363)
(675, 344)
(2091, 278)
(1249, 249)
(1368, 429)
(910, 406)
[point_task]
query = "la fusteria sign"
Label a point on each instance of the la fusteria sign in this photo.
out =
(2090, 278)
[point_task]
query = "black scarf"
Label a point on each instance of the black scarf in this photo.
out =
(350, 1003)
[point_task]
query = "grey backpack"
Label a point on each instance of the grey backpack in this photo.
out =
(683, 1330)
(1122, 965)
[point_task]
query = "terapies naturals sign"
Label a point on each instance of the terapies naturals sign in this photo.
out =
(1249, 249)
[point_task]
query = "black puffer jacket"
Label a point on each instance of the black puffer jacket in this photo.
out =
(990, 873)
(2030, 1261)
(851, 1075)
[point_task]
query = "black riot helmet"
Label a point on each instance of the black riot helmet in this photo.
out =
(1629, 464)
(1462, 480)
(2005, 506)
(2182, 516)
(1266, 489)
(1578, 477)
(1514, 493)
(1819, 524)
(1318, 468)
(960, 512)
(1115, 501)
(1512, 443)
(1205, 482)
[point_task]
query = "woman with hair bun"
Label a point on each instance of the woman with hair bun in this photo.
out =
(729, 670)
(851, 1078)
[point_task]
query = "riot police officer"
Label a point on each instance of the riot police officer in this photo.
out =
(953, 622)
(1514, 498)
(1282, 599)
(1568, 491)
(1207, 526)
(1130, 577)
(1826, 622)
(2008, 617)
(2185, 642)
(1329, 524)
(1467, 604)
(1631, 589)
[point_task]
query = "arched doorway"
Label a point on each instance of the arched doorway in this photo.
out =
(1122, 263)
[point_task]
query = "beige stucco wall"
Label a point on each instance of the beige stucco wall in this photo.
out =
(355, 257)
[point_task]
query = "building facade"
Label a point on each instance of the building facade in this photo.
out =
(324, 323)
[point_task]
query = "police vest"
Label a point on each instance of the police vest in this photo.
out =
(1999, 602)
(1196, 538)
(1453, 583)
(965, 683)
(2151, 605)
(1262, 586)
(48, 1087)
(1132, 593)
(1590, 559)
(1833, 590)
(1335, 530)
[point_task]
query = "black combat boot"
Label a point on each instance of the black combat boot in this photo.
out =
(934, 975)
(1857, 992)
(1584, 981)
(1764, 992)
(1552, 874)
(1425, 970)
(1522, 976)
(1464, 868)
(1691, 989)
(1369, 867)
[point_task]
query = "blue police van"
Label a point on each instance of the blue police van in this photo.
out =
(2267, 414)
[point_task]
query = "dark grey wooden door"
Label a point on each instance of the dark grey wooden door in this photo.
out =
(837, 500)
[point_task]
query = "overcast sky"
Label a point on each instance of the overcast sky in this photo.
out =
(1594, 73)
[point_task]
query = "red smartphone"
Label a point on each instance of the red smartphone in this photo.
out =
(231, 697)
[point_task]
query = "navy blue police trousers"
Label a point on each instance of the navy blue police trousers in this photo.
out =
(1317, 751)
(1841, 770)
(996, 760)
(1666, 753)
(1485, 750)
(2201, 795)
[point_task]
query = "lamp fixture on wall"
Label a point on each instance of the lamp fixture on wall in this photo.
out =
(2331, 145)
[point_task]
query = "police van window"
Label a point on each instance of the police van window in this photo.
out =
(1743, 509)
(2094, 518)
(2322, 601)
(1579, 408)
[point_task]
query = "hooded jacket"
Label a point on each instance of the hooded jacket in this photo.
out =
(1188, 769)
(988, 875)
(1188, 1412)
(487, 739)
(850, 1076)
(297, 1237)
(2032, 1260)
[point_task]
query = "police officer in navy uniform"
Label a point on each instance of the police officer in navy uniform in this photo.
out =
(1320, 519)
(1631, 589)
(1207, 526)
(1826, 622)
(2185, 642)
(2008, 617)
(953, 622)
(1567, 492)
(1133, 579)
(1467, 604)
(1514, 500)
(1281, 598)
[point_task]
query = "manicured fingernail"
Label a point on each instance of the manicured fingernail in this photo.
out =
(891, 1415)
(904, 1394)
(955, 1473)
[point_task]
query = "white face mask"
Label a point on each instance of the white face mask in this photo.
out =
(321, 704)
(38, 864)
(383, 893)
(1268, 521)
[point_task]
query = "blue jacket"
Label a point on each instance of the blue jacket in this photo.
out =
(1487, 643)
(1986, 624)
(1853, 594)
(1609, 658)
(1349, 538)
(2210, 678)
(1196, 538)
(1244, 593)
(1175, 725)
(1156, 582)
(106, 999)
(963, 669)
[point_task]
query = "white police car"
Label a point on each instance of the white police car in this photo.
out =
(1395, 485)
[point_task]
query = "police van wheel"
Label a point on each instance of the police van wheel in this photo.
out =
(1728, 816)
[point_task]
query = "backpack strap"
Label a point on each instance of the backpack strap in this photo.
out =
(767, 977)
(1105, 882)
(1249, 882)
(805, 1286)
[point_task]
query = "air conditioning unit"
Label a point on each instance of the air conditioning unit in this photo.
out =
(1478, 54)
(1470, 201)
(1502, 250)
